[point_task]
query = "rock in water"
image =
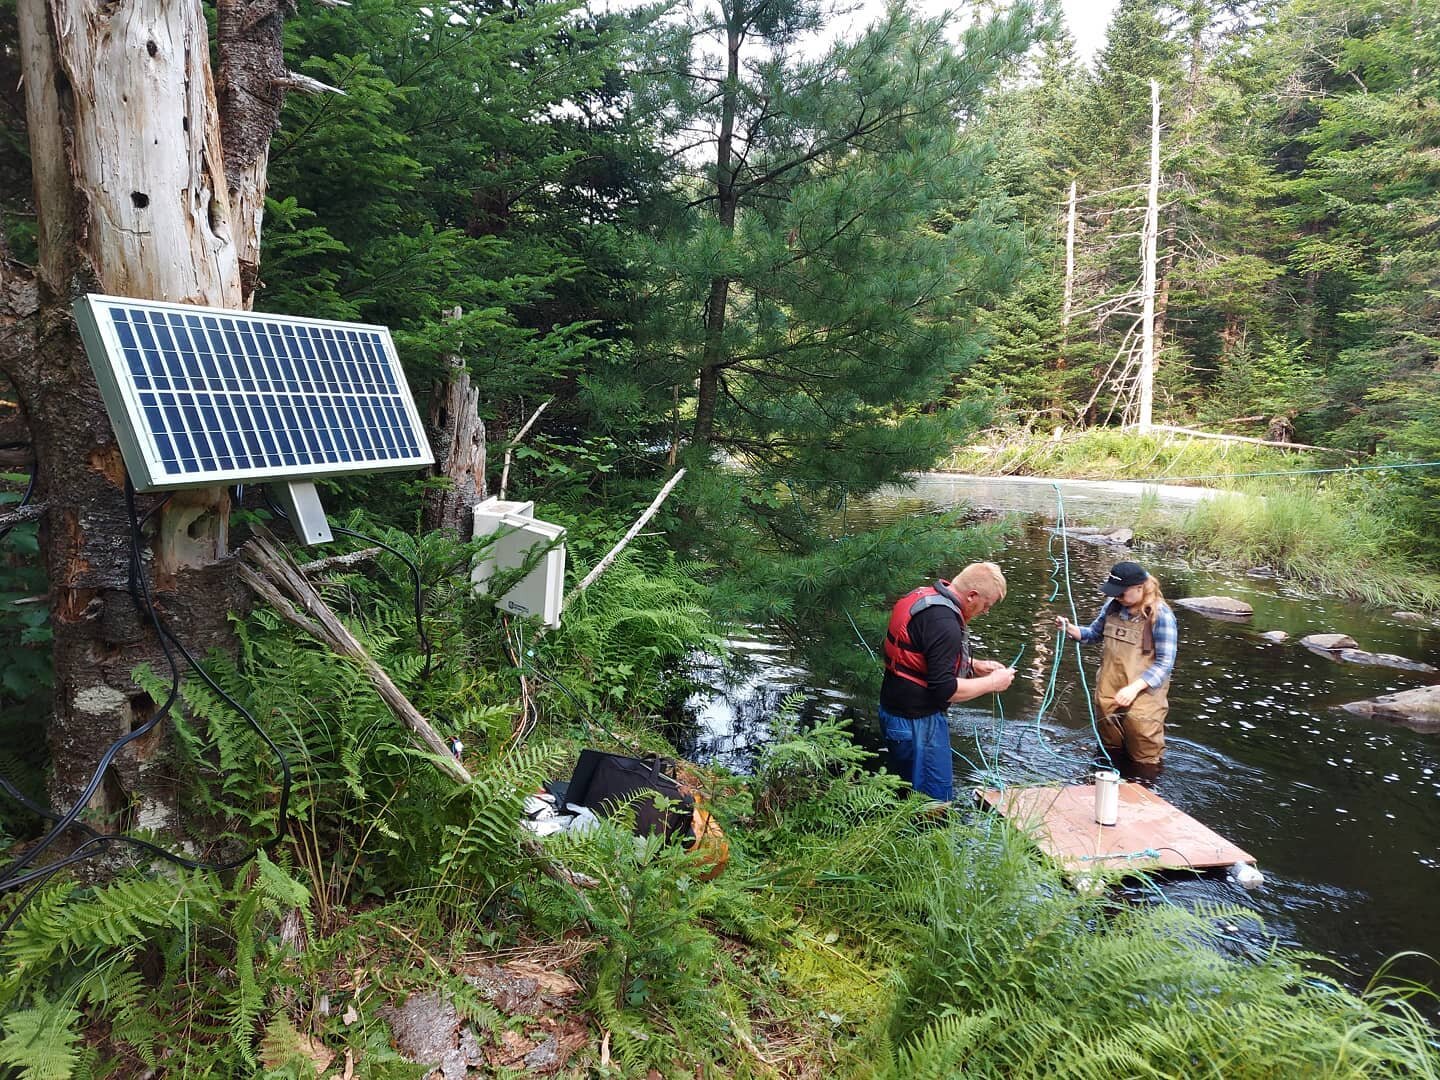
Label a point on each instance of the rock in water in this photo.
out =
(1219, 607)
(1329, 642)
(1418, 709)
(1276, 637)
(1119, 536)
(1384, 659)
(1408, 616)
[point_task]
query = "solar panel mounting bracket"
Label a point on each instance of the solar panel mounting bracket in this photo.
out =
(301, 503)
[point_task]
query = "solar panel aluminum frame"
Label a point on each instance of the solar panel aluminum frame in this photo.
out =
(137, 443)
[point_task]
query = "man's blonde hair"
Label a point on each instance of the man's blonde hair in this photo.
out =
(984, 578)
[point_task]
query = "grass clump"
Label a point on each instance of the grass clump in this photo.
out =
(1116, 454)
(1331, 535)
(1351, 535)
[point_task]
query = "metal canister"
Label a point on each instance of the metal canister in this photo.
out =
(1107, 797)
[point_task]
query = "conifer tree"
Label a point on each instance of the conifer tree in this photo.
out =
(833, 232)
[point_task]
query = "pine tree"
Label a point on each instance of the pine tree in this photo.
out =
(826, 255)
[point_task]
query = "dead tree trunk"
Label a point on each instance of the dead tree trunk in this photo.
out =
(457, 435)
(131, 199)
(1147, 295)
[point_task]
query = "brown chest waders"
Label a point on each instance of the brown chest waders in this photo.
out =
(1140, 729)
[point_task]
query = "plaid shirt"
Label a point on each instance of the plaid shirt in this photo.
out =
(1167, 639)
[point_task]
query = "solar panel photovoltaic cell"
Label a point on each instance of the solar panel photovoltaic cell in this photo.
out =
(204, 395)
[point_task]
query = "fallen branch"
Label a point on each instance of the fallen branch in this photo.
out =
(604, 564)
(1249, 439)
(28, 512)
(276, 579)
(270, 573)
(510, 449)
(338, 562)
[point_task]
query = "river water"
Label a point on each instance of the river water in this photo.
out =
(1342, 812)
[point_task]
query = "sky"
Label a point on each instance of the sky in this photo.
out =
(1087, 20)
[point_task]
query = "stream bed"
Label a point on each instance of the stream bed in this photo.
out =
(1342, 812)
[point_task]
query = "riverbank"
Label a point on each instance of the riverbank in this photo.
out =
(1248, 506)
(402, 922)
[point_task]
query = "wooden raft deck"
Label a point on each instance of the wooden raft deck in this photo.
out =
(1062, 822)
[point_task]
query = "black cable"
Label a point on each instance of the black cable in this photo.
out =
(522, 667)
(36, 808)
(97, 777)
(11, 878)
(419, 595)
(409, 562)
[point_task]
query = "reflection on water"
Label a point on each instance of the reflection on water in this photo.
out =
(1341, 811)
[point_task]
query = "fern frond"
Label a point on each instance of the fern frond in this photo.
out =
(42, 1041)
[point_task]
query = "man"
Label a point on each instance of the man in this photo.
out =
(928, 668)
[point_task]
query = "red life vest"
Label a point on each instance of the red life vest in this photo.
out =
(901, 656)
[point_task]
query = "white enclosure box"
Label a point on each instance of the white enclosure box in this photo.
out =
(489, 512)
(489, 516)
(518, 537)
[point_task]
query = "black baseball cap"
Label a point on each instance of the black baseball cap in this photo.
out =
(1122, 576)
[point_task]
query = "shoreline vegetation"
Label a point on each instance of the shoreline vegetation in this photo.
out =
(854, 933)
(1332, 532)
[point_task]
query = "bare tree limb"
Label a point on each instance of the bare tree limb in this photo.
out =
(293, 80)
(19, 516)
(510, 450)
(604, 564)
(338, 562)
(277, 580)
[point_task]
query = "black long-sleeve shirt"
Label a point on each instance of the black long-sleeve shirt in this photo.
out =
(940, 635)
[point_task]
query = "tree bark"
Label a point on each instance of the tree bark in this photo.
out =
(131, 199)
(248, 38)
(708, 388)
(457, 435)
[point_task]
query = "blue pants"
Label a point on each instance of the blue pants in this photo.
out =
(920, 752)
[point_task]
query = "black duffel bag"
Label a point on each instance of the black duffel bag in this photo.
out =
(605, 782)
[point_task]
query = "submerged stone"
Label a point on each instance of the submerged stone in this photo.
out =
(1381, 659)
(1276, 637)
(1118, 536)
(1408, 616)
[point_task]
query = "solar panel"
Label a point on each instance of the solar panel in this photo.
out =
(203, 396)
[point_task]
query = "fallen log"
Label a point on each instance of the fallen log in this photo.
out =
(275, 578)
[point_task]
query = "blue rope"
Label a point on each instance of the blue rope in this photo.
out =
(859, 636)
(1075, 618)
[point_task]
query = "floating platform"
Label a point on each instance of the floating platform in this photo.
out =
(1148, 834)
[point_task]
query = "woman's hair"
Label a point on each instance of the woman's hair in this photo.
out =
(1150, 598)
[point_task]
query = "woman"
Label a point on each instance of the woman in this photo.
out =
(1140, 637)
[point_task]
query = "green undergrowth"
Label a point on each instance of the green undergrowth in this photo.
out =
(853, 933)
(1354, 535)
